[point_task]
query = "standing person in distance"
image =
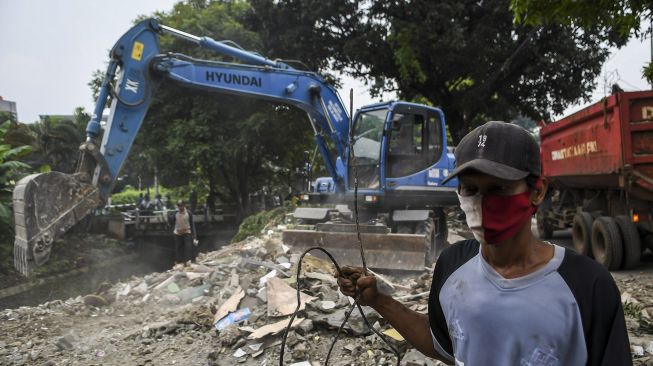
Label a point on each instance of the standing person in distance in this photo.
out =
(184, 232)
(506, 297)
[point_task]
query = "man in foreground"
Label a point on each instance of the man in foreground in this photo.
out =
(506, 297)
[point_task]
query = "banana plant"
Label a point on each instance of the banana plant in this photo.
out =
(11, 169)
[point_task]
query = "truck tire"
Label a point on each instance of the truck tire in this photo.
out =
(544, 227)
(631, 241)
(607, 245)
(581, 233)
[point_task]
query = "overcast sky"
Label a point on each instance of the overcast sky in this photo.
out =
(50, 48)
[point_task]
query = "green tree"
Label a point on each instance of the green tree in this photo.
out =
(11, 169)
(56, 140)
(468, 57)
(620, 19)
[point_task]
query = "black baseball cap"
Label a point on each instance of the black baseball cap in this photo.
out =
(499, 149)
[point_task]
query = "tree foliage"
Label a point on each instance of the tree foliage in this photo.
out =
(468, 57)
(56, 140)
(625, 17)
(11, 169)
(618, 18)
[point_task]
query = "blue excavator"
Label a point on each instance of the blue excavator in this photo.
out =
(393, 154)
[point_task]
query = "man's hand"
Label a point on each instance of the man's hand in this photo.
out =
(413, 326)
(353, 282)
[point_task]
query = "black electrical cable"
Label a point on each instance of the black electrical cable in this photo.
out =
(347, 315)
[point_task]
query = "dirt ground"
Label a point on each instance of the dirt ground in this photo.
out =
(78, 251)
(169, 318)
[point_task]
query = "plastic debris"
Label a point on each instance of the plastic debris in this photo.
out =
(233, 318)
(230, 305)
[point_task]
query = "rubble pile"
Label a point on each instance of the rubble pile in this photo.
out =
(637, 301)
(231, 307)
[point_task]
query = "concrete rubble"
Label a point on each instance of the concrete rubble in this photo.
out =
(232, 307)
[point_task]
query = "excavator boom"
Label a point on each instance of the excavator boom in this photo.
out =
(47, 205)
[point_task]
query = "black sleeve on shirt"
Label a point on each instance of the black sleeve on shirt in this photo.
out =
(600, 308)
(449, 261)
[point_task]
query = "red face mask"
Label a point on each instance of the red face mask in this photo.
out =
(504, 216)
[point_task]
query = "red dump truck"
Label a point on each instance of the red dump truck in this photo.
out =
(599, 161)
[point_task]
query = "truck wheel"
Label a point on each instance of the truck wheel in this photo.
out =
(631, 240)
(607, 246)
(581, 233)
(544, 227)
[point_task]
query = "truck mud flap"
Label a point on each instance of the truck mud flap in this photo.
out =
(385, 251)
(46, 205)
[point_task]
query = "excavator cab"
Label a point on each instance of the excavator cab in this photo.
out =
(398, 146)
(397, 160)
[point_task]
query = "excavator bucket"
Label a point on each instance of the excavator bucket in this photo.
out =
(46, 205)
(382, 250)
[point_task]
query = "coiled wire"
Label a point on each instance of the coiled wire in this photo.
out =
(347, 315)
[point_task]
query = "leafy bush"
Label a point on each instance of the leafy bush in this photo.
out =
(129, 195)
(254, 224)
(11, 170)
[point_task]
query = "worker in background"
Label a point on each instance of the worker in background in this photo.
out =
(140, 203)
(506, 297)
(147, 204)
(158, 202)
(184, 233)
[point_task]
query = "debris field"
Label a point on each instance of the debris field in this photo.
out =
(232, 307)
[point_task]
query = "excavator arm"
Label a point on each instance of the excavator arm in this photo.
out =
(47, 205)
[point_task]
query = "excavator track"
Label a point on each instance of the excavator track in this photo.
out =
(46, 205)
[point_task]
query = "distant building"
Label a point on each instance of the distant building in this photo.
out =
(8, 106)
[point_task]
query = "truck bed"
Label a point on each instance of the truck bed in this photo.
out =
(606, 145)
